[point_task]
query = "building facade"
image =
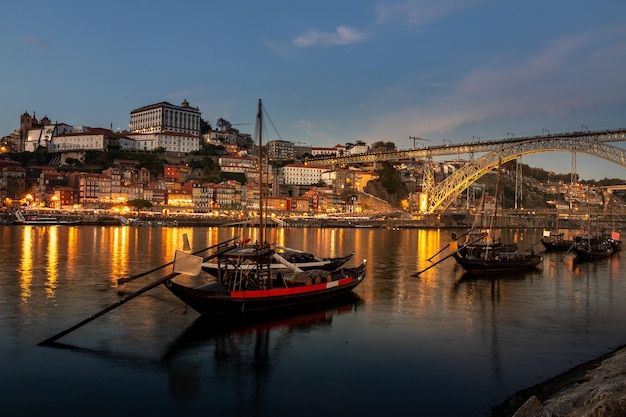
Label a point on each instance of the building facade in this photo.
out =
(166, 117)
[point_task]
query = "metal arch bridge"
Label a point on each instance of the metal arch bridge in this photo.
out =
(595, 143)
(448, 190)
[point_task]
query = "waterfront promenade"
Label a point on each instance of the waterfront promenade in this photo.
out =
(446, 220)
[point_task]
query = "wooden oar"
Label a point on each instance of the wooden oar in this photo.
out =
(126, 299)
(124, 280)
(570, 248)
(445, 247)
(109, 308)
(446, 257)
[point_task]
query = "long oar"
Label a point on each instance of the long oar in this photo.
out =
(124, 280)
(109, 308)
(446, 257)
(446, 247)
(570, 248)
(120, 302)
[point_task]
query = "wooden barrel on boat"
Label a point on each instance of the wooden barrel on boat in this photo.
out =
(301, 278)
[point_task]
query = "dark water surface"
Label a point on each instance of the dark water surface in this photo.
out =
(441, 344)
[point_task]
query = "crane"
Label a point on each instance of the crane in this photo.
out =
(416, 139)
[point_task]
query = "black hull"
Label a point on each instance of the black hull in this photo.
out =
(224, 302)
(500, 264)
(557, 246)
(588, 255)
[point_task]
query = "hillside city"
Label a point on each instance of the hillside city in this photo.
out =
(172, 161)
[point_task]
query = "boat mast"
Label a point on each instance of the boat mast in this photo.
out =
(259, 120)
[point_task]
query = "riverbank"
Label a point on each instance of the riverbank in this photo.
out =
(444, 220)
(594, 388)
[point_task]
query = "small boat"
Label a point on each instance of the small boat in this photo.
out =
(486, 259)
(303, 260)
(361, 225)
(589, 248)
(485, 255)
(556, 242)
(37, 220)
(246, 283)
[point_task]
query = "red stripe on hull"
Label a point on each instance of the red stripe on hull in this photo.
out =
(290, 291)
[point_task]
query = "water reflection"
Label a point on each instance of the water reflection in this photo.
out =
(53, 262)
(245, 352)
(26, 263)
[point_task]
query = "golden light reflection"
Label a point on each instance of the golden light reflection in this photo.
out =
(119, 252)
(52, 263)
(26, 264)
(73, 248)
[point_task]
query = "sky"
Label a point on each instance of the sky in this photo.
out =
(330, 71)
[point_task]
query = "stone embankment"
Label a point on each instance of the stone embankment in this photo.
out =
(593, 389)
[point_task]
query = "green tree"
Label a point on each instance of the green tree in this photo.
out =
(383, 146)
(139, 204)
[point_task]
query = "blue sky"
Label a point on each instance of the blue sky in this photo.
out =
(328, 72)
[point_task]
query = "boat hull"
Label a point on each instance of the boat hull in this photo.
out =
(502, 263)
(221, 301)
(557, 246)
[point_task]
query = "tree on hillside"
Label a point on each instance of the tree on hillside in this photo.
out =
(139, 204)
(204, 126)
(381, 146)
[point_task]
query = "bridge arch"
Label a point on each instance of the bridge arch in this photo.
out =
(445, 193)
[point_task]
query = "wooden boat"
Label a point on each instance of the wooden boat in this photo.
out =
(556, 243)
(246, 283)
(481, 259)
(303, 260)
(484, 255)
(589, 248)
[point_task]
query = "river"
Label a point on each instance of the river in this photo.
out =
(439, 344)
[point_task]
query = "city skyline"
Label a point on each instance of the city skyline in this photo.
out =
(328, 73)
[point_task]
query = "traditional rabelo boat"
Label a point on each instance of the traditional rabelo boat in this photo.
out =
(246, 283)
(590, 248)
(555, 242)
(244, 280)
(486, 255)
(303, 260)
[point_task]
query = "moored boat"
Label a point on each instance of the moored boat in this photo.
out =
(246, 283)
(589, 248)
(486, 255)
(556, 242)
(38, 220)
(255, 277)
(485, 259)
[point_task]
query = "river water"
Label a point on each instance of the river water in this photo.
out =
(439, 344)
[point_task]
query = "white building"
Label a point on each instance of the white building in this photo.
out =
(337, 150)
(94, 139)
(297, 174)
(170, 141)
(162, 117)
(237, 164)
(359, 148)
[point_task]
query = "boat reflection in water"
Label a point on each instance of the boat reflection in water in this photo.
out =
(245, 351)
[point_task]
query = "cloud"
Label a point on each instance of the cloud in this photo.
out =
(343, 36)
(33, 41)
(569, 74)
(417, 12)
